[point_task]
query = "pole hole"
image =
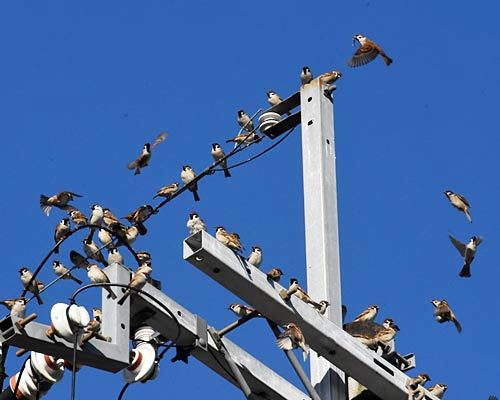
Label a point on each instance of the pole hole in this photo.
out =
(122, 325)
(179, 313)
(310, 122)
(327, 141)
(309, 99)
(216, 270)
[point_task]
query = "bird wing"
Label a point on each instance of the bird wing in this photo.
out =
(458, 244)
(161, 137)
(78, 260)
(284, 342)
(363, 55)
(463, 199)
(362, 315)
(133, 164)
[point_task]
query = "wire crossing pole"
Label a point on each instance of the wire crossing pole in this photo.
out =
(321, 224)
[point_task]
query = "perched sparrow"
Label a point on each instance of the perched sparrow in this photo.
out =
(93, 328)
(443, 313)
(137, 282)
(241, 310)
(187, 176)
(244, 138)
(195, 224)
(301, 293)
(97, 275)
(292, 338)
(467, 251)
(459, 202)
(231, 240)
(105, 238)
(255, 257)
(127, 234)
(97, 215)
(138, 216)
(322, 306)
(274, 99)
(114, 256)
(78, 260)
(17, 307)
(438, 390)
(330, 77)
(244, 121)
(131, 234)
(218, 154)
(92, 251)
(61, 270)
(367, 315)
(78, 217)
(143, 256)
(143, 160)
(306, 76)
(59, 200)
(34, 286)
(366, 52)
(62, 230)
(109, 218)
(167, 191)
(275, 274)
(420, 379)
(388, 333)
(145, 268)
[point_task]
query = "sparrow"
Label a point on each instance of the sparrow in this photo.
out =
(78, 260)
(385, 335)
(138, 216)
(145, 268)
(459, 202)
(245, 121)
(328, 79)
(322, 306)
(109, 218)
(443, 313)
(61, 231)
(292, 338)
(218, 154)
(62, 271)
(137, 282)
(78, 217)
(301, 293)
(92, 251)
(195, 224)
(97, 215)
(492, 398)
(274, 99)
(59, 200)
(306, 76)
(114, 256)
(231, 240)
(467, 251)
(367, 52)
(17, 307)
(131, 234)
(367, 315)
(241, 310)
(244, 138)
(97, 275)
(415, 386)
(143, 160)
(275, 274)
(93, 328)
(255, 257)
(34, 286)
(105, 238)
(167, 191)
(143, 256)
(438, 390)
(187, 176)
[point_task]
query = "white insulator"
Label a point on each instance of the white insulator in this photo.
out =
(78, 316)
(143, 365)
(268, 119)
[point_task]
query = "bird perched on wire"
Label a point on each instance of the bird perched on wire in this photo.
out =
(231, 240)
(467, 251)
(322, 306)
(17, 306)
(443, 313)
(62, 230)
(143, 160)
(245, 121)
(92, 250)
(244, 138)
(78, 260)
(187, 177)
(143, 256)
(137, 282)
(109, 218)
(275, 274)
(291, 338)
(241, 310)
(438, 390)
(167, 191)
(367, 315)
(59, 200)
(105, 238)
(97, 215)
(306, 75)
(114, 256)
(138, 216)
(195, 224)
(97, 275)
(78, 217)
(218, 154)
(459, 202)
(255, 257)
(62, 271)
(31, 285)
(367, 52)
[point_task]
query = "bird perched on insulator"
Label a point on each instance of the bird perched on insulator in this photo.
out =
(275, 274)
(167, 191)
(459, 202)
(59, 200)
(255, 257)
(367, 315)
(143, 160)
(62, 230)
(367, 52)
(63, 272)
(32, 285)
(292, 338)
(97, 275)
(443, 313)
(195, 224)
(467, 251)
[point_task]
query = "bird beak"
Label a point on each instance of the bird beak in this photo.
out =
(354, 40)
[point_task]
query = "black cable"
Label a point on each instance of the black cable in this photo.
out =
(122, 392)
(20, 375)
(73, 375)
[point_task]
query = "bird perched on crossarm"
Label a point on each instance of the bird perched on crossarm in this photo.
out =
(255, 257)
(367, 315)
(274, 99)
(137, 282)
(443, 313)
(301, 293)
(459, 202)
(195, 224)
(322, 306)
(17, 306)
(231, 240)
(438, 390)
(143, 160)
(275, 274)
(467, 251)
(367, 52)
(59, 200)
(291, 338)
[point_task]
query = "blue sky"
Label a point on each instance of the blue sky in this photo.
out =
(84, 86)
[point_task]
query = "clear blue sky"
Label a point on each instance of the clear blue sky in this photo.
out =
(84, 86)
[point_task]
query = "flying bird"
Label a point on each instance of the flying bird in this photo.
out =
(459, 202)
(255, 257)
(367, 315)
(137, 282)
(97, 275)
(143, 160)
(17, 306)
(467, 251)
(306, 75)
(241, 310)
(167, 191)
(195, 224)
(218, 154)
(59, 200)
(292, 338)
(187, 176)
(245, 121)
(367, 52)
(62, 271)
(443, 313)
(275, 274)
(231, 240)
(438, 390)
(32, 285)
(62, 230)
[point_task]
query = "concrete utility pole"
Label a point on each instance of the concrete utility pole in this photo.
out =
(321, 223)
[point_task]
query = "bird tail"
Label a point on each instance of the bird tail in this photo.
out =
(305, 351)
(195, 195)
(137, 171)
(457, 324)
(467, 214)
(227, 174)
(141, 228)
(387, 59)
(155, 196)
(229, 140)
(111, 293)
(465, 272)
(44, 206)
(124, 297)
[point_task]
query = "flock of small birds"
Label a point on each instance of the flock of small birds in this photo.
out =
(112, 234)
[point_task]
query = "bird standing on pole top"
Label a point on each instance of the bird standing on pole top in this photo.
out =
(306, 75)
(367, 52)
